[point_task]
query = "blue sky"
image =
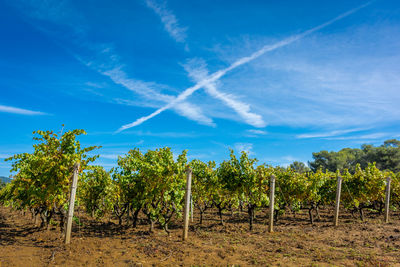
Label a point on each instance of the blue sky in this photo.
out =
(280, 79)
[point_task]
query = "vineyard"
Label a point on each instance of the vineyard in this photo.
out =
(148, 190)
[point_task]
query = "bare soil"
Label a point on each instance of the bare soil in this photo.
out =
(295, 242)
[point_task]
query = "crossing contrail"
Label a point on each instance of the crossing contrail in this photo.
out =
(218, 74)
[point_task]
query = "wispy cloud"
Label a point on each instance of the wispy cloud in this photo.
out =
(289, 158)
(5, 166)
(146, 89)
(118, 76)
(107, 166)
(254, 133)
(329, 134)
(197, 70)
(105, 60)
(193, 112)
(331, 88)
(169, 20)
(110, 156)
(247, 147)
(15, 110)
(165, 134)
(95, 85)
(244, 60)
(371, 136)
(283, 161)
(198, 156)
(58, 12)
(118, 147)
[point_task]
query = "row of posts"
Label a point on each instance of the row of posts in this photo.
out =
(188, 210)
(188, 203)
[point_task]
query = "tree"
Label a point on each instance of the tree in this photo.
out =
(203, 185)
(129, 185)
(244, 182)
(386, 157)
(153, 182)
(2, 184)
(364, 188)
(94, 191)
(346, 158)
(299, 167)
(43, 177)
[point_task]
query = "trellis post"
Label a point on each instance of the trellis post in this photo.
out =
(387, 199)
(338, 190)
(187, 204)
(71, 203)
(191, 208)
(271, 204)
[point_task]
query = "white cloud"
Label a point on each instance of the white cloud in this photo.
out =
(169, 20)
(5, 166)
(107, 166)
(95, 85)
(283, 161)
(165, 134)
(329, 134)
(371, 136)
(332, 80)
(214, 77)
(193, 112)
(104, 58)
(198, 156)
(59, 12)
(118, 76)
(257, 132)
(197, 70)
(110, 66)
(329, 88)
(15, 110)
(289, 158)
(110, 156)
(247, 147)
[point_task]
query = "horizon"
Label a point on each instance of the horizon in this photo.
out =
(278, 80)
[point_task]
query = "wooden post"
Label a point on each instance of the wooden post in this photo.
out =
(71, 204)
(191, 208)
(338, 190)
(387, 199)
(271, 204)
(187, 204)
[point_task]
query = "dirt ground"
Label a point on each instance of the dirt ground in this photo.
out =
(295, 242)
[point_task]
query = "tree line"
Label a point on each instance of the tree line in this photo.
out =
(385, 156)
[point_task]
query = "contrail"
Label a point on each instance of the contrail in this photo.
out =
(199, 72)
(217, 75)
(15, 110)
(169, 20)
